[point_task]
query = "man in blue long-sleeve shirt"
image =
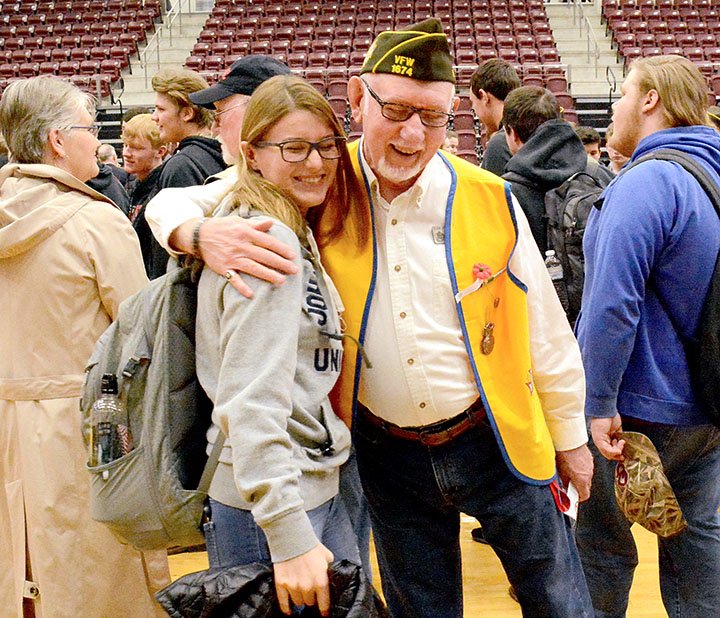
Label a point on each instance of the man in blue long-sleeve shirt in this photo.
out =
(650, 253)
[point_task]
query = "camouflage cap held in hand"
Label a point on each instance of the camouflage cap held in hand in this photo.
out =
(642, 490)
(420, 51)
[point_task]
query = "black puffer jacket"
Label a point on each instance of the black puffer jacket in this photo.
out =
(551, 155)
(249, 592)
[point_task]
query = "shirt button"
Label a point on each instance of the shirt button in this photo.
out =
(422, 404)
(403, 315)
(393, 222)
(410, 361)
(397, 268)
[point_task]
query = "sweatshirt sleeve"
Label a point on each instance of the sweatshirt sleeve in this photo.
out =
(621, 242)
(556, 363)
(170, 208)
(253, 403)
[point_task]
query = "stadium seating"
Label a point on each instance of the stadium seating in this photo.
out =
(642, 28)
(91, 42)
(326, 41)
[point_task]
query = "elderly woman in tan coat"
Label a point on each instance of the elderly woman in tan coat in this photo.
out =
(68, 257)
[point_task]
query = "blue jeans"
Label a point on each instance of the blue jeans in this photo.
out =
(233, 538)
(416, 493)
(356, 506)
(690, 562)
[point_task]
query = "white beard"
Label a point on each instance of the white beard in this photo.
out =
(397, 175)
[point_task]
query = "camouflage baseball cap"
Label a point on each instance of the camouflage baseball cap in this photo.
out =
(642, 490)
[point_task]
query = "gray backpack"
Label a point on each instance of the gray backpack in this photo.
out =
(153, 497)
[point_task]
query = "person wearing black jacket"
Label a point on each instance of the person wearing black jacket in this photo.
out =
(106, 154)
(179, 120)
(107, 184)
(143, 154)
(490, 85)
(546, 152)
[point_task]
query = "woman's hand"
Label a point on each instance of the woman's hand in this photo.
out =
(304, 580)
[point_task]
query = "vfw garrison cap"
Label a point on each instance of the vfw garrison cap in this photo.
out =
(419, 51)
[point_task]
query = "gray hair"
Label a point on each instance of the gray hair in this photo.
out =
(105, 153)
(31, 108)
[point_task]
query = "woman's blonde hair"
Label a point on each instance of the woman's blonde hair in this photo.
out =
(273, 100)
(31, 108)
(681, 87)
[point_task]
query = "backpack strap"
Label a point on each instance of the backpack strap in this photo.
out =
(214, 457)
(211, 464)
(691, 165)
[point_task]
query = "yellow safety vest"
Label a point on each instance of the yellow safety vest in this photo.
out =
(479, 227)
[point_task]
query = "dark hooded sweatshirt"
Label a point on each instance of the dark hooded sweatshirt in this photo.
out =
(107, 184)
(195, 159)
(155, 257)
(551, 155)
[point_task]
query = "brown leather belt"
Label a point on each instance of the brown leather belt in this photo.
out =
(434, 434)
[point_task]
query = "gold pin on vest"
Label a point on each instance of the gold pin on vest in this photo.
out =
(488, 339)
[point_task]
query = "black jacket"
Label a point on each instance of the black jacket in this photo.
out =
(155, 257)
(107, 184)
(120, 174)
(195, 159)
(551, 155)
(248, 591)
(497, 153)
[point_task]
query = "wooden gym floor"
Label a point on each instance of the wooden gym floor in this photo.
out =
(485, 585)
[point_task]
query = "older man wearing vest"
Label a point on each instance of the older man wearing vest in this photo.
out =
(474, 398)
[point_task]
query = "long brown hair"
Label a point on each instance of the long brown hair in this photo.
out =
(273, 100)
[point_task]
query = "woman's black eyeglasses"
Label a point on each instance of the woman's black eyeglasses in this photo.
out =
(297, 150)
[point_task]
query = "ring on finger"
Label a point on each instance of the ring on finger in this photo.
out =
(229, 274)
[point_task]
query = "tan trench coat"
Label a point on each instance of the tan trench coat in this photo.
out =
(67, 259)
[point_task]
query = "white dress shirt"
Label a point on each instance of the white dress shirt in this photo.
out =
(420, 368)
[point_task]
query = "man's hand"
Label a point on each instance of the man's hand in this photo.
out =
(304, 580)
(605, 432)
(233, 244)
(576, 466)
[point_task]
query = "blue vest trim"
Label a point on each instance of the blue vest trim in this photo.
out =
(371, 290)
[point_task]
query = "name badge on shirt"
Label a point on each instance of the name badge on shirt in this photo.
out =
(438, 234)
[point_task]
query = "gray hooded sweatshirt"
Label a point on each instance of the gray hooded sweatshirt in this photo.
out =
(268, 364)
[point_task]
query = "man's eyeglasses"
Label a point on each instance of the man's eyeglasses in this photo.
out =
(297, 150)
(220, 112)
(400, 113)
(93, 128)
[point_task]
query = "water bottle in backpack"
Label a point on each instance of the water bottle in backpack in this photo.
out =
(110, 433)
(555, 270)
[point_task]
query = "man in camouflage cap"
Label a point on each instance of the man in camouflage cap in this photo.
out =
(475, 387)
